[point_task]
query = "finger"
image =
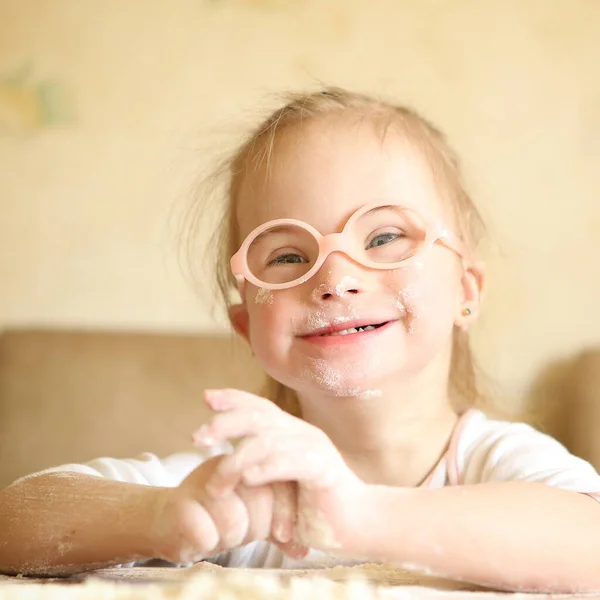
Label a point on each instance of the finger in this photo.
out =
(251, 450)
(311, 471)
(237, 423)
(255, 450)
(204, 534)
(259, 503)
(230, 517)
(285, 508)
(292, 549)
(228, 399)
(201, 480)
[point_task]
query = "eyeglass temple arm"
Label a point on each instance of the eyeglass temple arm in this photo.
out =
(454, 243)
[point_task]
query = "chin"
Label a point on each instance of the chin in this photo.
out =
(340, 379)
(341, 374)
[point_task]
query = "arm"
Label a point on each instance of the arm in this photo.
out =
(513, 525)
(508, 535)
(59, 523)
(62, 523)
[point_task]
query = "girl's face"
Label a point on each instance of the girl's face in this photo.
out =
(321, 173)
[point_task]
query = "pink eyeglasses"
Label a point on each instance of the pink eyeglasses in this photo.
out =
(286, 252)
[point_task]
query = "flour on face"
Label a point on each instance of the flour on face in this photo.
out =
(263, 296)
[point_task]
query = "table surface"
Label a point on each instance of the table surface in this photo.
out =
(381, 581)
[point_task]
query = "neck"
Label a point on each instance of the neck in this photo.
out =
(392, 438)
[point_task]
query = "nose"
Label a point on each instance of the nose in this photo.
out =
(337, 277)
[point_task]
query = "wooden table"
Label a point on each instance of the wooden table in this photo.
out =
(207, 582)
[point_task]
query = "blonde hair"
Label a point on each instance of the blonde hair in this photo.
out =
(426, 138)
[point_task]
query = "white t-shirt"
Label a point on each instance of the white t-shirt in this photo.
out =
(480, 450)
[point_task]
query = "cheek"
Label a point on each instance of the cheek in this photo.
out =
(261, 319)
(424, 294)
(266, 311)
(263, 296)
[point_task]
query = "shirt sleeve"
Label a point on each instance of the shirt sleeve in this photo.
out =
(502, 451)
(146, 469)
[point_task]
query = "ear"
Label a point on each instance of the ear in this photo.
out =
(473, 285)
(238, 315)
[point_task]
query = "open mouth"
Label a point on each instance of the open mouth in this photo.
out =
(352, 330)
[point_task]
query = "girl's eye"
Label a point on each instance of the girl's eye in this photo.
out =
(383, 238)
(287, 259)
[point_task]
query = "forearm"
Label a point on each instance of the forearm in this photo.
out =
(63, 523)
(514, 535)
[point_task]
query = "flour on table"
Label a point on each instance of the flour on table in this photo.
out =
(376, 574)
(206, 581)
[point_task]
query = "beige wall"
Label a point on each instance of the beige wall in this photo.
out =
(85, 236)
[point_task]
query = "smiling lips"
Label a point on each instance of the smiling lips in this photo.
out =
(346, 332)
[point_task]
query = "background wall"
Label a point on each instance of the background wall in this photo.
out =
(107, 108)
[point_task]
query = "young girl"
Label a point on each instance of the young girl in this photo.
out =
(350, 239)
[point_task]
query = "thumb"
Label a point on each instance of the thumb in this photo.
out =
(292, 549)
(285, 508)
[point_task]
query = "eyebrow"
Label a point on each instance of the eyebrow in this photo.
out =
(379, 209)
(385, 207)
(274, 230)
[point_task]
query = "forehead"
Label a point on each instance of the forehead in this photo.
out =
(323, 171)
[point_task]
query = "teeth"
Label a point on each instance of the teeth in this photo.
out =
(351, 330)
(346, 331)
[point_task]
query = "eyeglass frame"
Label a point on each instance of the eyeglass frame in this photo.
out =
(435, 231)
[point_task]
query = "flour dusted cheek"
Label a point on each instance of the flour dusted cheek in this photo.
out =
(410, 301)
(412, 293)
(263, 296)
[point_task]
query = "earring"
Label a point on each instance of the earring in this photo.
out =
(466, 312)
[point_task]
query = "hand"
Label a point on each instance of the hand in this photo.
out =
(195, 525)
(276, 448)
